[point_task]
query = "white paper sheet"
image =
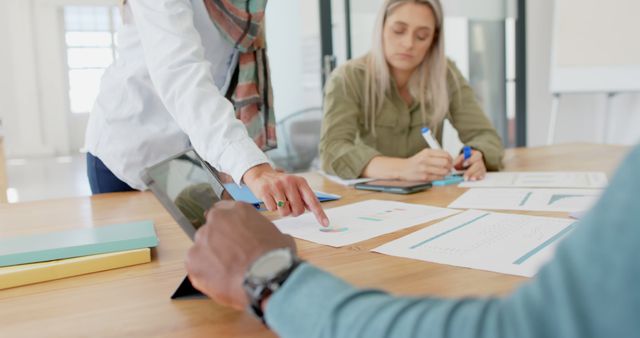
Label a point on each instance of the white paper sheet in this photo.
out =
(510, 244)
(345, 182)
(561, 200)
(540, 179)
(360, 221)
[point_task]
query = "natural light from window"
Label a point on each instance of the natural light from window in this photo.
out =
(90, 36)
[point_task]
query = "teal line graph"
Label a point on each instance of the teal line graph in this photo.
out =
(545, 244)
(370, 219)
(448, 231)
(333, 230)
(560, 197)
(526, 198)
(381, 215)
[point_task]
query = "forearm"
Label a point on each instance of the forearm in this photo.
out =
(383, 167)
(319, 305)
(346, 159)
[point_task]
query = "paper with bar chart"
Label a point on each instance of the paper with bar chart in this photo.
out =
(360, 221)
(504, 243)
(540, 179)
(560, 200)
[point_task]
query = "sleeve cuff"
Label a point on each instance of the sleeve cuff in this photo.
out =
(300, 305)
(351, 165)
(492, 156)
(238, 157)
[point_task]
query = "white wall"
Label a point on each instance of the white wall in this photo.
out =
(20, 104)
(4, 64)
(578, 115)
(285, 56)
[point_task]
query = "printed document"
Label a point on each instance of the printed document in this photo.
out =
(560, 200)
(504, 243)
(360, 221)
(540, 179)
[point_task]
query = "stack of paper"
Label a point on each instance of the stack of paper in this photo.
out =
(36, 258)
(545, 191)
(540, 179)
(560, 200)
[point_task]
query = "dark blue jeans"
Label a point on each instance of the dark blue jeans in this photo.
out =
(101, 179)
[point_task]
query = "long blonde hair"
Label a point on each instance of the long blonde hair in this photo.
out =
(428, 83)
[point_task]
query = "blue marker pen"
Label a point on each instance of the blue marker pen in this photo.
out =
(466, 152)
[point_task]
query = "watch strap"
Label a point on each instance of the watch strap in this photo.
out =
(262, 292)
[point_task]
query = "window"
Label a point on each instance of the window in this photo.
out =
(90, 36)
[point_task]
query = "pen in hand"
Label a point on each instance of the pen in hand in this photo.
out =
(466, 151)
(428, 137)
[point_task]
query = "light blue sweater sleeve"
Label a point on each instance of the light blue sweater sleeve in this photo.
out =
(590, 289)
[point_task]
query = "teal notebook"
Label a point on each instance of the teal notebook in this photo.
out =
(77, 242)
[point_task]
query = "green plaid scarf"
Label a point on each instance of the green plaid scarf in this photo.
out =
(241, 23)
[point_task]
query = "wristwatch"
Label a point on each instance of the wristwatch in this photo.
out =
(266, 275)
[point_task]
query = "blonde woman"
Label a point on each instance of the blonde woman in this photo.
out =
(191, 73)
(376, 106)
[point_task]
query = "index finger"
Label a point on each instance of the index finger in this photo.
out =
(474, 172)
(458, 162)
(311, 203)
(475, 157)
(445, 155)
(440, 153)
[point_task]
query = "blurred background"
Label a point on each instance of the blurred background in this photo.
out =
(54, 53)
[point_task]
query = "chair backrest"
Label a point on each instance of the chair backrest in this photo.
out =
(304, 136)
(299, 136)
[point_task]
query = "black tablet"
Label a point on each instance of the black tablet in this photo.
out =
(394, 186)
(187, 186)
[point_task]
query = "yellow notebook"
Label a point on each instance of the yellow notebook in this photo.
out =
(18, 275)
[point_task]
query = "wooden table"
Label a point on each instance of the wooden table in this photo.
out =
(134, 301)
(3, 173)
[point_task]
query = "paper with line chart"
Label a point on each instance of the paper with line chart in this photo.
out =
(360, 221)
(561, 200)
(505, 243)
(540, 179)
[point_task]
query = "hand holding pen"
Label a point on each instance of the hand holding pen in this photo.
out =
(430, 164)
(472, 162)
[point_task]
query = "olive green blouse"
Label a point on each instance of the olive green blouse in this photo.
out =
(347, 145)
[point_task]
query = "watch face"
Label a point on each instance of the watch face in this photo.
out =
(271, 264)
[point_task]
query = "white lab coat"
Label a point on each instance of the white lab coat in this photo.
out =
(166, 91)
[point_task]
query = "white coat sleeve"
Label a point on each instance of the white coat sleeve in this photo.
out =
(174, 55)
